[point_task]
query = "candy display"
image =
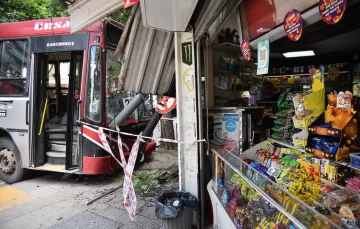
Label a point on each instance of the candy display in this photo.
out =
(310, 104)
(301, 176)
(284, 127)
(326, 144)
(355, 160)
(308, 166)
(332, 135)
(338, 116)
(353, 184)
(285, 100)
(247, 208)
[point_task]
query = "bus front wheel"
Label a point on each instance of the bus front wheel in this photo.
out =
(10, 162)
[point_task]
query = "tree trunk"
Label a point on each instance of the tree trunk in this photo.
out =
(167, 131)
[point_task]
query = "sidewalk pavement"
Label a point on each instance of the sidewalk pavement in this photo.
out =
(50, 202)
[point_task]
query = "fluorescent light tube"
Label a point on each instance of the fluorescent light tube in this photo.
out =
(299, 54)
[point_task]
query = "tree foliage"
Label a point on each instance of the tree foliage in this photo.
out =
(120, 15)
(22, 10)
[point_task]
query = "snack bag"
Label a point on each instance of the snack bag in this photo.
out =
(353, 184)
(224, 197)
(266, 223)
(347, 216)
(286, 114)
(223, 82)
(327, 188)
(232, 206)
(337, 198)
(283, 121)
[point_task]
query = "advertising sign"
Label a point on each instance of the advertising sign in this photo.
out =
(332, 11)
(263, 56)
(246, 50)
(128, 3)
(260, 16)
(293, 25)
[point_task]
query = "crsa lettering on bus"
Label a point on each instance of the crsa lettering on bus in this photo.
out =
(60, 44)
(48, 25)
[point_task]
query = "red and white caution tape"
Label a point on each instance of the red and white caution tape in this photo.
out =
(149, 138)
(128, 188)
(106, 145)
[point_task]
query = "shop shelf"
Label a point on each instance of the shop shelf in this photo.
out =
(296, 74)
(228, 71)
(227, 47)
(272, 192)
(341, 162)
(347, 164)
(288, 145)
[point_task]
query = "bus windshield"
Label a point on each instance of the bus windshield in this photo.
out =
(117, 100)
(13, 66)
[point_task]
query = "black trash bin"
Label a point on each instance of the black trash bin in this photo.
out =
(175, 209)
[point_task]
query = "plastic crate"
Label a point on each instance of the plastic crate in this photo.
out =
(355, 160)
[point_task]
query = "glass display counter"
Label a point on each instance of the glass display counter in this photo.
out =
(244, 198)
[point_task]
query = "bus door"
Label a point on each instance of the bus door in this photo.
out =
(38, 109)
(56, 87)
(72, 141)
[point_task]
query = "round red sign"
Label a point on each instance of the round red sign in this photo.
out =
(165, 105)
(293, 25)
(332, 11)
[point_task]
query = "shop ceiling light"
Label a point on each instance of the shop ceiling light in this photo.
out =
(299, 54)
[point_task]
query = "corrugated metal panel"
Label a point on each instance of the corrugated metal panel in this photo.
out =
(86, 12)
(169, 15)
(148, 63)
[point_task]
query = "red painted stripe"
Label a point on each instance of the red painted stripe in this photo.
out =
(94, 135)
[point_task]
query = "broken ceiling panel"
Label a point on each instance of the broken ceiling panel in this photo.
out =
(148, 64)
(86, 12)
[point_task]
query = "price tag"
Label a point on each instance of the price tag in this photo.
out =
(343, 100)
(348, 222)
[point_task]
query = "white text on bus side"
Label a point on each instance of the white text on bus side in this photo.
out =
(56, 25)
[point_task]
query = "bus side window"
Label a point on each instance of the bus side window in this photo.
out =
(13, 66)
(93, 87)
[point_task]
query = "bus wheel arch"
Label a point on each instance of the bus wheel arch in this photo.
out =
(11, 170)
(4, 133)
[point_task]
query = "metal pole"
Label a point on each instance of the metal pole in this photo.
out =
(126, 112)
(149, 130)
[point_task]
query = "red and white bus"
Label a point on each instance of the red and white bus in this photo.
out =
(55, 88)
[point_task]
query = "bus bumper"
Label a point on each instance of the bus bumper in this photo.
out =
(98, 165)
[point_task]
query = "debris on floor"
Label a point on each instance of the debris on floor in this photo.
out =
(150, 183)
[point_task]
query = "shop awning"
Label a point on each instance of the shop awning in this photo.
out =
(85, 12)
(148, 59)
